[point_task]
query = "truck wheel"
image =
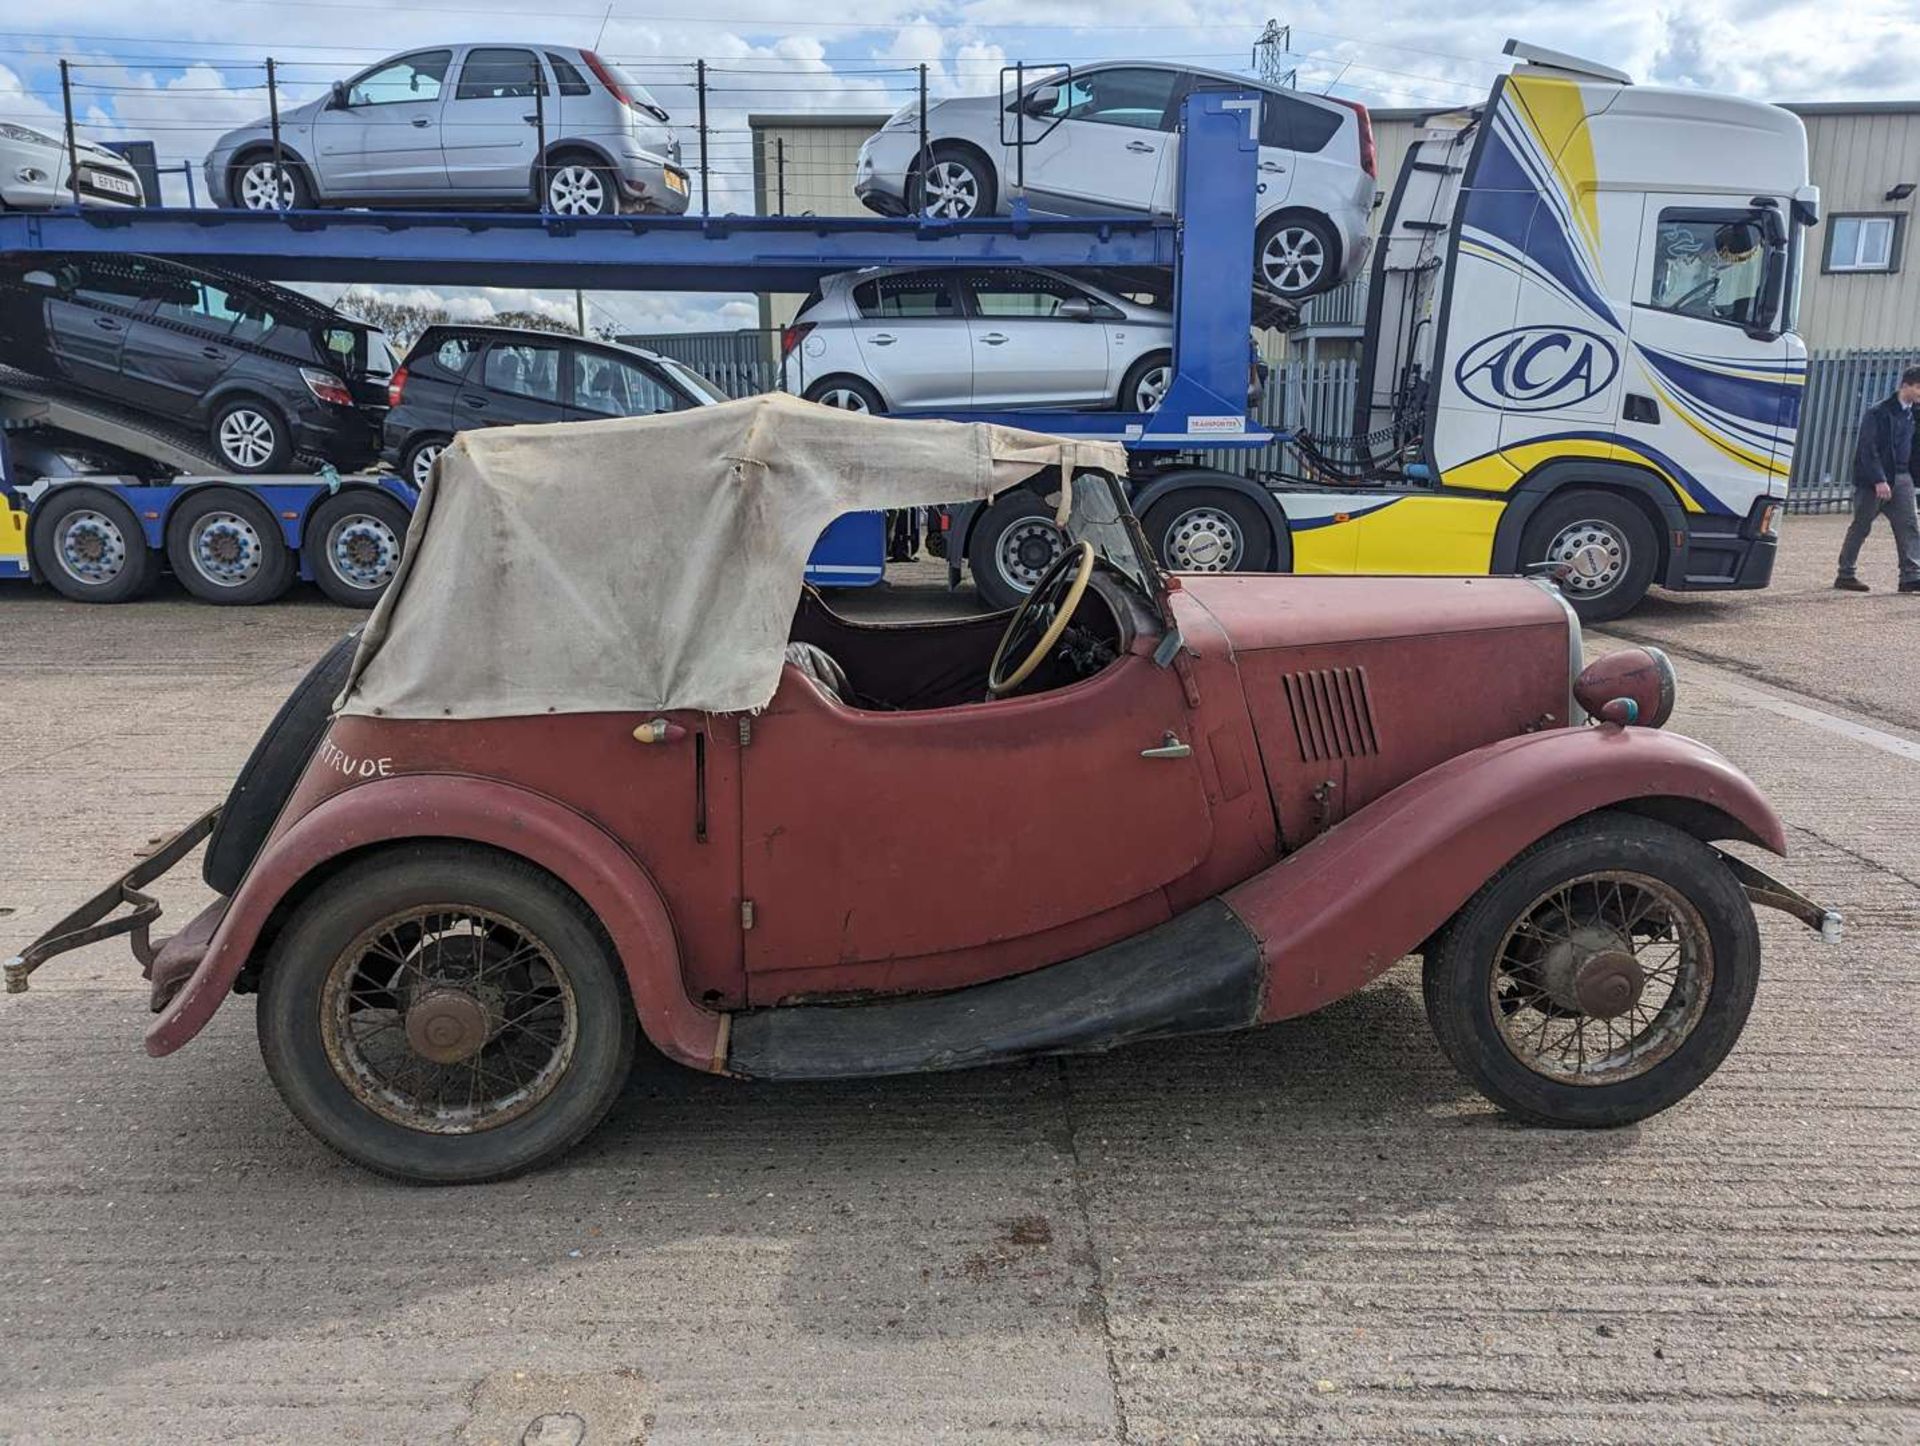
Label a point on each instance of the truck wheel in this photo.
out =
(1598, 978)
(226, 547)
(1014, 542)
(1204, 529)
(353, 543)
(251, 436)
(266, 779)
(89, 547)
(445, 1015)
(1603, 546)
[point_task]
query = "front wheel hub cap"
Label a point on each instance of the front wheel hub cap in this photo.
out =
(448, 1025)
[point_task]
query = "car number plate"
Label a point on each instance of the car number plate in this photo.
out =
(116, 185)
(676, 182)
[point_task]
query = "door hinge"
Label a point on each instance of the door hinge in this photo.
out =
(746, 914)
(746, 730)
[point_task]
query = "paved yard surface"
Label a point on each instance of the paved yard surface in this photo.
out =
(1310, 1233)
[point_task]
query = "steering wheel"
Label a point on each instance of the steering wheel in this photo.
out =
(1043, 613)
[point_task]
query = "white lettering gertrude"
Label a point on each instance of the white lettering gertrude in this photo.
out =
(343, 762)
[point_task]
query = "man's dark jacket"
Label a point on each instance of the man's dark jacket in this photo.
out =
(1885, 448)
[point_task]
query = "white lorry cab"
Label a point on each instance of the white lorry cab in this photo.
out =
(1580, 345)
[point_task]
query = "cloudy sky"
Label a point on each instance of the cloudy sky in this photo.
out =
(180, 74)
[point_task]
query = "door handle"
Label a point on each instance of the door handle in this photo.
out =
(479, 404)
(1140, 148)
(107, 323)
(994, 338)
(211, 353)
(421, 122)
(1170, 747)
(1271, 166)
(885, 338)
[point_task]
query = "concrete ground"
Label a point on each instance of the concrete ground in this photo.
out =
(1311, 1232)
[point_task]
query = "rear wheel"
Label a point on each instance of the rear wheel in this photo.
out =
(445, 1015)
(1202, 529)
(89, 547)
(249, 435)
(1296, 255)
(849, 394)
(1013, 544)
(578, 187)
(226, 547)
(1598, 978)
(416, 462)
(354, 542)
(1146, 383)
(1602, 547)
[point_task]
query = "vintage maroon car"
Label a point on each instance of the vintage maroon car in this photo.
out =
(599, 767)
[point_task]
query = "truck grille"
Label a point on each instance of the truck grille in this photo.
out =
(1332, 713)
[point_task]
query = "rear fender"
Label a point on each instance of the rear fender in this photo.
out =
(1368, 891)
(420, 807)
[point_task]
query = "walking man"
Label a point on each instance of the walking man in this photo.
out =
(1883, 483)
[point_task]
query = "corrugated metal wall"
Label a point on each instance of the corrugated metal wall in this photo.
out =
(1857, 156)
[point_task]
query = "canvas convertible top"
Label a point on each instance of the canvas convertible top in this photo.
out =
(649, 563)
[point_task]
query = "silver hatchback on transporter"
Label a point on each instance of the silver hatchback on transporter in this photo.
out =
(899, 340)
(455, 126)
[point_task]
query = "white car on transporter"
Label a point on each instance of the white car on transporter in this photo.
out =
(1101, 139)
(883, 340)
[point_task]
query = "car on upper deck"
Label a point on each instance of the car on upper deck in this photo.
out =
(598, 766)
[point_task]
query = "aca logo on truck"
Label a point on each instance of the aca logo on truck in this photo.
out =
(1537, 368)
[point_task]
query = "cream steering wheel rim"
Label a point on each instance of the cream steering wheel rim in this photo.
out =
(999, 687)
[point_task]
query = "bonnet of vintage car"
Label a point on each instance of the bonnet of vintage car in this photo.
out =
(1633, 686)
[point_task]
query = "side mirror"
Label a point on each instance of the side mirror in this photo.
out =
(45, 280)
(337, 98)
(1041, 102)
(1076, 308)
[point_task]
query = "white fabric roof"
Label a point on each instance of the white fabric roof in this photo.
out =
(649, 563)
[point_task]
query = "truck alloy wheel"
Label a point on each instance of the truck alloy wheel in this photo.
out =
(1203, 539)
(1593, 555)
(225, 548)
(90, 548)
(1026, 550)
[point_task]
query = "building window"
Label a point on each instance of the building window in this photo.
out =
(1863, 243)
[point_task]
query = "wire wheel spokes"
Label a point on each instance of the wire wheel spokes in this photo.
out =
(449, 1019)
(1602, 977)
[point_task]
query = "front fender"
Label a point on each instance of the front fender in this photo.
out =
(1369, 890)
(570, 846)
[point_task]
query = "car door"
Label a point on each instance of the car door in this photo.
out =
(385, 141)
(912, 339)
(491, 134)
(1057, 834)
(181, 345)
(90, 309)
(1025, 352)
(1102, 145)
(605, 385)
(516, 382)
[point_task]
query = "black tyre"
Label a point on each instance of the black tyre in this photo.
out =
(250, 435)
(849, 394)
(1146, 383)
(227, 548)
(1604, 549)
(1012, 545)
(955, 184)
(1297, 255)
(256, 184)
(1206, 529)
(445, 1015)
(417, 457)
(266, 779)
(1598, 978)
(579, 186)
(354, 541)
(89, 547)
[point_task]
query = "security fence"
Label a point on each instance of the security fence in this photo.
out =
(1840, 385)
(738, 362)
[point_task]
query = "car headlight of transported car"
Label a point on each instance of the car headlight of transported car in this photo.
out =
(27, 136)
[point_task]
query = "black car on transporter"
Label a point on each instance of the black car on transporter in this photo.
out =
(459, 377)
(264, 373)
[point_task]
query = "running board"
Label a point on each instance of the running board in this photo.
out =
(1199, 973)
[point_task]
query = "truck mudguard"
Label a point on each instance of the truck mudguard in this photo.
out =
(1343, 909)
(438, 807)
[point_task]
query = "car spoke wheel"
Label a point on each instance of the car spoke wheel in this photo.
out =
(845, 398)
(1601, 978)
(247, 438)
(1151, 389)
(1590, 557)
(226, 549)
(448, 1021)
(421, 468)
(1203, 539)
(1026, 550)
(950, 191)
(362, 550)
(263, 186)
(578, 190)
(1293, 260)
(90, 549)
